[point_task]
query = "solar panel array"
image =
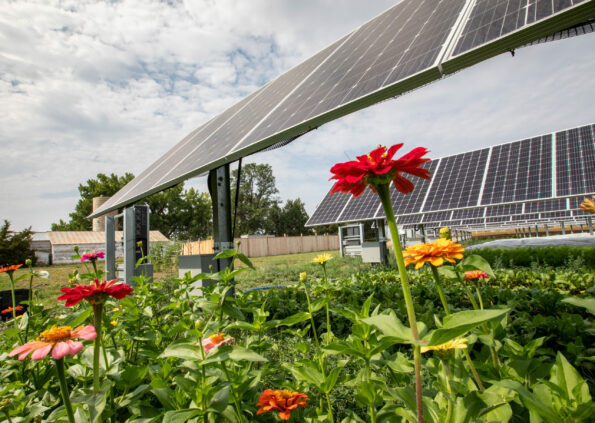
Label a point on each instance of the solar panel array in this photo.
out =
(536, 179)
(409, 45)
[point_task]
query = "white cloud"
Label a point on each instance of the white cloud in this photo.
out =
(101, 86)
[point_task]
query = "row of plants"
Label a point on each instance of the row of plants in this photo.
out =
(151, 366)
(552, 256)
(439, 348)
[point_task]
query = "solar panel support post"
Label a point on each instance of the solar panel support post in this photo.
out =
(219, 187)
(341, 248)
(547, 230)
(381, 237)
(563, 229)
(590, 224)
(110, 247)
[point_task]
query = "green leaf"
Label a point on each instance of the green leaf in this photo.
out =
(306, 373)
(296, 318)
(530, 401)
(241, 353)
(76, 319)
(220, 400)
(245, 260)
(389, 325)
(164, 395)
(180, 416)
(476, 262)
(459, 323)
(183, 350)
(332, 377)
(134, 375)
(447, 272)
(588, 303)
(566, 377)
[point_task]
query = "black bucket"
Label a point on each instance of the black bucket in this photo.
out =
(6, 301)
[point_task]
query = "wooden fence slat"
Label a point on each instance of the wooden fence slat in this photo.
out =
(269, 246)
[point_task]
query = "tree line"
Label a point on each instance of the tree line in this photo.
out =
(186, 214)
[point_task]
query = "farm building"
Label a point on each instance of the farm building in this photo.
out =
(57, 247)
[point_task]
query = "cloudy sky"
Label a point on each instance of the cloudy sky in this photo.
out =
(109, 86)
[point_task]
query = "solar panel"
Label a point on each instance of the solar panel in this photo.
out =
(329, 209)
(511, 183)
(401, 49)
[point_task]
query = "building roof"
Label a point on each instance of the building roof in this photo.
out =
(87, 237)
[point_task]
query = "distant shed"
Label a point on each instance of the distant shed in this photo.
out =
(58, 247)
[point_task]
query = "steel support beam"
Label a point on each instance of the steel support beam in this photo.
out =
(219, 187)
(110, 248)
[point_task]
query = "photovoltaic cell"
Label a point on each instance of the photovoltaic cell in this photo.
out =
(411, 202)
(492, 19)
(575, 161)
(329, 209)
(362, 207)
(519, 171)
(458, 182)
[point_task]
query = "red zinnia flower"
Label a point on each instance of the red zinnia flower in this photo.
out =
(96, 292)
(284, 401)
(9, 309)
(378, 168)
(476, 274)
(10, 269)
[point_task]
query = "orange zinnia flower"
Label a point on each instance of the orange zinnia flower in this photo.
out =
(59, 340)
(435, 253)
(284, 401)
(10, 269)
(588, 205)
(476, 274)
(9, 309)
(379, 168)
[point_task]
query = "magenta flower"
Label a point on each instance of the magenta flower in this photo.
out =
(92, 255)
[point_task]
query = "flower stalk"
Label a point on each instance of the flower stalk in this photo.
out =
(98, 323)
(384, 194)
(64, 389)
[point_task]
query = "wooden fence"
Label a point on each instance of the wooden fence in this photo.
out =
(269, 246)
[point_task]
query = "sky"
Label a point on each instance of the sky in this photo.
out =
(90, 87)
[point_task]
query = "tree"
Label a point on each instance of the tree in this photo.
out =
(102, 186)
(183, 215)
(15, 247)
(257, 196)
(174, 212)
(289, 220)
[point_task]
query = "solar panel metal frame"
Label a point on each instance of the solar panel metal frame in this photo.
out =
(444, 63)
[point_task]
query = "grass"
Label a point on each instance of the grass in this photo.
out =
(274, 270)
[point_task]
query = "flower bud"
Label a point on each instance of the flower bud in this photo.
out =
(28, 262)
(303, 277)
(199, 324)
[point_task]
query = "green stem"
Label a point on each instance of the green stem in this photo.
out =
(440, 290)
(311, 317)
(7, 416)
(14, 302)
(384, 194)
(473, 370)
(64, 389)
(328, 325)
(330, 408)
(98, 322)
(233, 392)
(449, 390)
(479, 297)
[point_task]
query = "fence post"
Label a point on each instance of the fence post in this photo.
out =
(267, 243)
(301, 243)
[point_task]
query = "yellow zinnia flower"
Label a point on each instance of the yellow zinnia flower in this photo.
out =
(436, 253)
(113, 323)
(588, 205)
(459, 343)
(303, 277)
(322, 258)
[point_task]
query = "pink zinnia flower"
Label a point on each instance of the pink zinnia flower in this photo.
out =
(58, 340)
(214, 341)
(96, 292)
(92, 255)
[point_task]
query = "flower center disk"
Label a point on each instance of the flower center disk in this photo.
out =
(56, 334)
